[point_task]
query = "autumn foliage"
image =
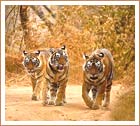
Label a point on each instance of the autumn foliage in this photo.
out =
(80, 28)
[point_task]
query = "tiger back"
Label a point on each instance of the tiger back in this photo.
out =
(97, 78)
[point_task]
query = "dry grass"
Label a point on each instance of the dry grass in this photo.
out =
(124, 108)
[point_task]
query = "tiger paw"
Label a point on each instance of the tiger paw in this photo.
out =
(51, 102)
(44, 103)
(64, 101)
(105, 108)
(59, 103)
(105, 104)
(34, 97)
(95, 106)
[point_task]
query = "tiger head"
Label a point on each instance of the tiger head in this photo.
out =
(31, 61)
(59, 59)
(93, 66)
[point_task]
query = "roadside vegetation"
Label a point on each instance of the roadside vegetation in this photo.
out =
(81, 29)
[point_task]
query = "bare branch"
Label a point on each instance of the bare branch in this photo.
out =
(10, 12)
(40, 13)
(49, 10)
(24, 18)
(128, 63)
(14, 26)
(24, 23)
(16, 18)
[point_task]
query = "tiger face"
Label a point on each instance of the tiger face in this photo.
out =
(93, 66)
(58, 59)
(31, 61)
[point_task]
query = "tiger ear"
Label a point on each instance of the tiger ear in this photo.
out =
(24, 53)
(51, 50)
(63, 47)
(85, 56)
(100, 54)
(37, 52)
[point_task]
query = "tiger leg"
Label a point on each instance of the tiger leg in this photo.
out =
(53, 91)
(33, 82)
(45, 89)
(38, 87)
(85, 96)
(94, 91)
(106, 101)
(98, 96)
(95, 99)
(60, 95)
(98, 101)
(64, 98)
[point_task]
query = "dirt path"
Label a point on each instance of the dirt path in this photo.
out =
(19, 106)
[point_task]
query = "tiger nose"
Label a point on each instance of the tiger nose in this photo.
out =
(94, 70)
(62, 60)
(30, 65)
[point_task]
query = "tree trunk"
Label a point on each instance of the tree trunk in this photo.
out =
(42, 16)
(24, 23)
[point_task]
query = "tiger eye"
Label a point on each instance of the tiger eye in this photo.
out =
(98, 63)
(34, 59)
(57, 55)
(27, 59)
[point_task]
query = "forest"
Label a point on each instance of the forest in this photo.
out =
(82, 29)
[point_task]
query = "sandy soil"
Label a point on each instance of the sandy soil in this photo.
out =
(20, 107)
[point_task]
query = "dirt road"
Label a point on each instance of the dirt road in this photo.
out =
(20, 107)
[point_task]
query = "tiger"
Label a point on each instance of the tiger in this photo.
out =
(35, 64)
(56, 75)
(98, 72)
